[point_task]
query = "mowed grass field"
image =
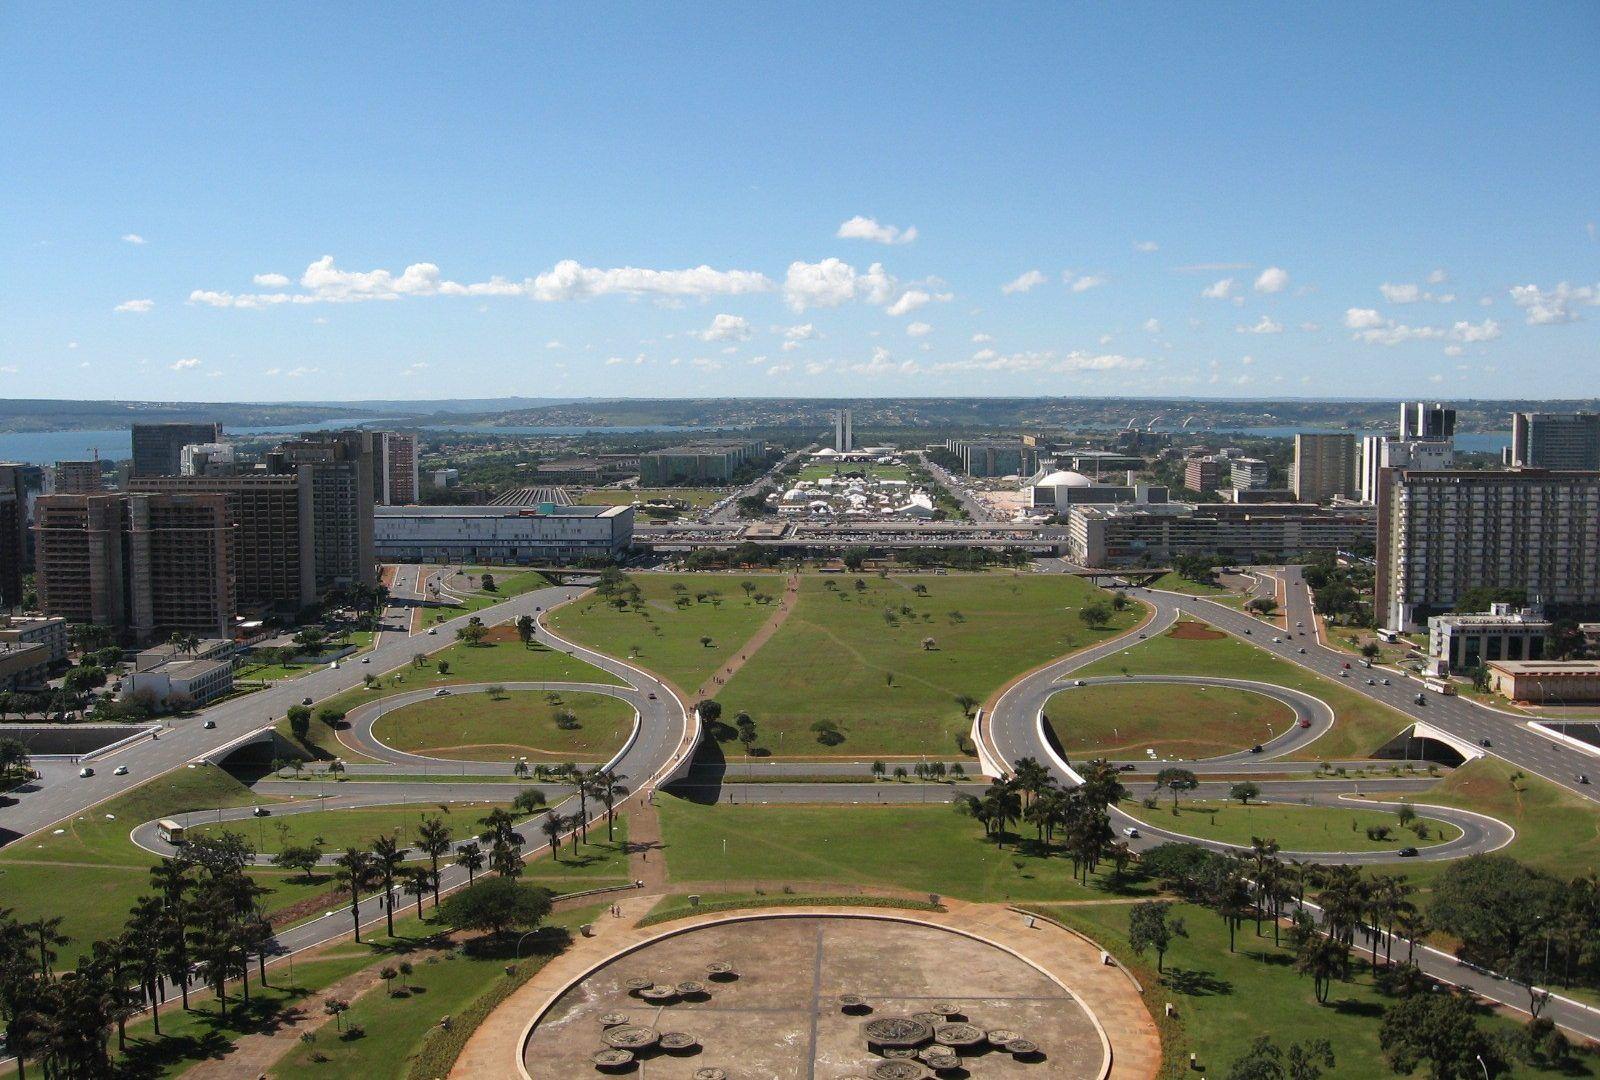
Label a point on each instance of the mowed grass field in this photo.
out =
(920, 848)
(477, 727)
(1294, 827)
(881, 472)
(345, 827)
(1176, 721)
(856, 657)
(663, 635)
(1363, 725)
(497, 661)
(694, 497)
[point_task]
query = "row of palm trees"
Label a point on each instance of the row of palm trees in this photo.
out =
(1078, 816)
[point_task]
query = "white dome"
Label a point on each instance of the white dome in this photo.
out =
(826, 451)
(793, 495)
(1066, 478)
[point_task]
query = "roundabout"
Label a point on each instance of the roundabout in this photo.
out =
(543, 726)
(1126, 719)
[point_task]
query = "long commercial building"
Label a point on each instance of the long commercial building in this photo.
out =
(1444, 533)
(509, 535)
(158, 448)
(1555, 440)
(1325, 465)
(995, 457)
(1129, 534)
(712, 462)
(141, 564)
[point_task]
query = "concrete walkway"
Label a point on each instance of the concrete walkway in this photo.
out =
(1107, 992)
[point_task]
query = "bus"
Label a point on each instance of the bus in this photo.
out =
(170, 831)
(1440, 686)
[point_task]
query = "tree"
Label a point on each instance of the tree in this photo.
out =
(967, 703)
(354, 873)
(710, 710)
(1176, 780)
(526, 629)
(471, 634)
(1439, 1029)
(300, 722)
(14, 760)
(1151, 925)
(336, 1008)
(468, 855)
(1265, 1061)
(1494, 904)
(1322, 956)
(387, 856)
(417, 882)
(1263, 606)
(1244, 792)
(1095, 615)
(444, 667)
(433, 840)
(301, 857)
(608, 788)
(495, 906)
(330, 717)
(488, 583)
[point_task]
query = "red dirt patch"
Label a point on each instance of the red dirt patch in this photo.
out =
(505, 632)
(1189, 630)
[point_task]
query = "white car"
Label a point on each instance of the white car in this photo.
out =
(366, 659)
(433, 631)
(120, 770)
(442, 692)
(1131, 833)
(86, 771)
(1080, 682)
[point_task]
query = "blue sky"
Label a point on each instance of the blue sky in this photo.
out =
(222, 202)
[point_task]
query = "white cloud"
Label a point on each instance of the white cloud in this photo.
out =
(865, 228)
(1453, 350)
(554, 344)
(832, 282)
(883, 363)
(1218, 290)
(981, 338)
(918, 329)
(1272, 279)
(186, 365)
(1545, 307)
(1087, 282)
(1362, 318)
(1373, 329)
(1310, 327)
(323, 282)
(271, 281)
(1047, 361)
(1029, 279)
(1438, 277)
(726, 328)
(912, 299)
(802, 332)
(780, 369)
(1265, 325)
(1146, 246)
(1152, 326)
(1488, 330)
(132, 238)
(1400, 294)
(138, 307)
(1247, 360)
(9, 369)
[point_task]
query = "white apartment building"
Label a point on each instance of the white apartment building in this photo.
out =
(1383, 452)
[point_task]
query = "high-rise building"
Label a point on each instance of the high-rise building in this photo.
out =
(158, 448)
(1203, 473)
(13, 534)
(73, 478)
(844, 436)
(1382, 452)
(1419, 420)
(1444, 533)
(140, 564)
(338, 465)
(1555, 440)
(394, 464)
(1249, 474)
(1324, 466)
(207, 459)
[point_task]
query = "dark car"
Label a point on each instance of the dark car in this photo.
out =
(209, 724)
(1256, 749)
(1485, 742)
(305, 701)
(1407, 853)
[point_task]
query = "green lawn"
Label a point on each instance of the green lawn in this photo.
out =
(102, 872)
(1172, 581)
(1224, 1000)
(694, 497)
(664, 637)
(881, 472)
(923, 848)
(491, 662)
(1176, 721)
(344, 827)
(402, 1025)
(476, 727)
(1363, 724)
(1296, 827)
(475, 599)
(857, 657)
(251, 672)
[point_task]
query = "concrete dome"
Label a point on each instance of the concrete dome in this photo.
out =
(1066, 478)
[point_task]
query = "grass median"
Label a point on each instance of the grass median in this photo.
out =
(546, 726)
(1120, 721)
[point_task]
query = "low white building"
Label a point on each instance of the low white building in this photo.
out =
(504, 535)
(1467, 640)
(180, 682)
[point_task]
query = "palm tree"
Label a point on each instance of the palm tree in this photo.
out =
(608, 788)
(143, 938)
(354, 873)
(433, 840)
(170, 878)
(469, 855)
(386, 859)
(551, 827)
(417, 881)
(1322, 958)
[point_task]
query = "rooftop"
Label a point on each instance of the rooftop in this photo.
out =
(544, 510)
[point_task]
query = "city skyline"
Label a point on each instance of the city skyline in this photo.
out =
(1059, 203)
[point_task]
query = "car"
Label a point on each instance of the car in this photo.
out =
(1131, 833)
(1141, 636)
(1347, 665)
(120, 770)
(1256, 749)
(1126, 768)
(1305, 723)
(1485, 742)
(366, 659)
(1372, 682)
(433, 631)
(1299, 624)
(1302, 650)
(1422, 699)
(305, 701)
(1407, 853)
(259, 811)
(1386, 682)
(1277, 641)
(1079, 682)
(1344, 674)
(443, 691)
(1247, 630)
(209, 724)
(1583, 778)
(86, 771)
(652, 697)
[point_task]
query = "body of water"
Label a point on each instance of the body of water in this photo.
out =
(1481, 442)
(491, 429)
(116, 444)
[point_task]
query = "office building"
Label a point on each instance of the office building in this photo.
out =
(1420, 420)
(1203, 473)
(143, 564)
(73, 478)
(1458, 643)
(24, 667)
(338, 467)
(844, 436)
(995, 457)
(207, 459)
(1056, 490)
(1444, 533)
(158, 448)
(1546, 682)
(394, 463)
(179, 683)
(711, 462)
(1249, 474)
(13, 534)
(33, 630)
(504, 535)
(1381, 452)
(1555, 440)
(1100, 535)
(1324, 466)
